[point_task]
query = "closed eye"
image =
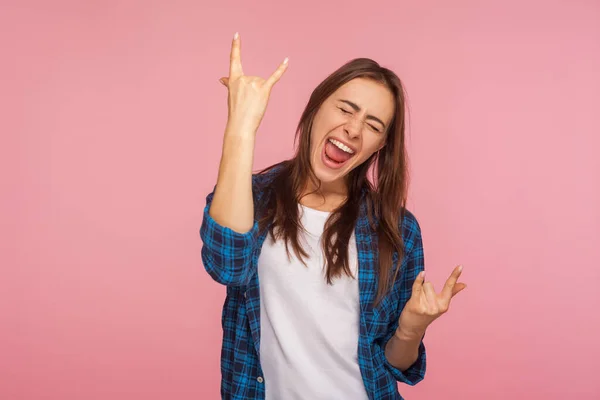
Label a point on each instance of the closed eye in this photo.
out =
(375, 129)
(371, 126)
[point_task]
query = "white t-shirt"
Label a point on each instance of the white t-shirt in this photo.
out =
(309, 329)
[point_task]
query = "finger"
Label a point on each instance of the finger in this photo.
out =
(418, 283)
(235, 59)
(274, 78)
(458, 288)
(450, 283)
(224, 81)
(430, 294)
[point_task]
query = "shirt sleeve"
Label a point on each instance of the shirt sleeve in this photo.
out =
(226, 254)
(412, 266)
(414, 374)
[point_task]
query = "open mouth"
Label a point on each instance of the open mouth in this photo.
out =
(335, 154)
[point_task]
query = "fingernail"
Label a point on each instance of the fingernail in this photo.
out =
(236, 35)
(460, 268)
(286, 60)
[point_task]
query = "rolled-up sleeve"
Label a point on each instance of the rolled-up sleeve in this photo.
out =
(226, 254)
(413, 264)
(414, 374)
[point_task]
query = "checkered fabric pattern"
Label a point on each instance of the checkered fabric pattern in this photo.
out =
(231, 258)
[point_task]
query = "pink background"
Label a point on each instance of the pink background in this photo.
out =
(112, 120)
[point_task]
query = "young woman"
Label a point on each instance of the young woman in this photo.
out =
(326, 297)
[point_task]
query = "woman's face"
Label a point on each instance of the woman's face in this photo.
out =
(356, 118)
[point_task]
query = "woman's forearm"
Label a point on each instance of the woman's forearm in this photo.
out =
(232, 204)
(402, 350)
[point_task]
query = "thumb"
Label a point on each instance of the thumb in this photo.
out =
(418, 283)
(458, 288)
(224, 81)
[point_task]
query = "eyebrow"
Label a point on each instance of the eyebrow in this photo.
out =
(357, 108)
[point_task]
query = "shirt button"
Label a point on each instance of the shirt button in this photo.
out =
(260, 379)
(245, 295)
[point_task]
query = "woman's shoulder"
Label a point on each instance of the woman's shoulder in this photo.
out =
(411, 229)
(261, 182)
(262, 178)
(409, 219)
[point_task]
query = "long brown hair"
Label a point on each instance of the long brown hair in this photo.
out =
(386, 200)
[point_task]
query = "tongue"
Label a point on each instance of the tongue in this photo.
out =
(335, 153)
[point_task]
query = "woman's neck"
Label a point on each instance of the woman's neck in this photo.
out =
(327, 198)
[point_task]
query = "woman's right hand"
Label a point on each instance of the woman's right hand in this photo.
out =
(248, 95)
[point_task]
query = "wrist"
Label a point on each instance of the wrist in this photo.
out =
(409, 334)
(240, 128)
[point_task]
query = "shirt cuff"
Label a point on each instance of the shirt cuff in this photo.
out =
(227, 254)
(414, 374)
(223, 239)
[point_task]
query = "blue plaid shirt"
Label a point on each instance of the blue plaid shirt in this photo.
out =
(231, 258)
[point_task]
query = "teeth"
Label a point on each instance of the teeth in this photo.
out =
(342, 146)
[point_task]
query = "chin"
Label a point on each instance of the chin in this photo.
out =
(327, 177)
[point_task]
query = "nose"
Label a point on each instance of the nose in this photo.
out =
(352, 127)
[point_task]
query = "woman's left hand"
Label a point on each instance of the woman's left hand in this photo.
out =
(425, 305)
